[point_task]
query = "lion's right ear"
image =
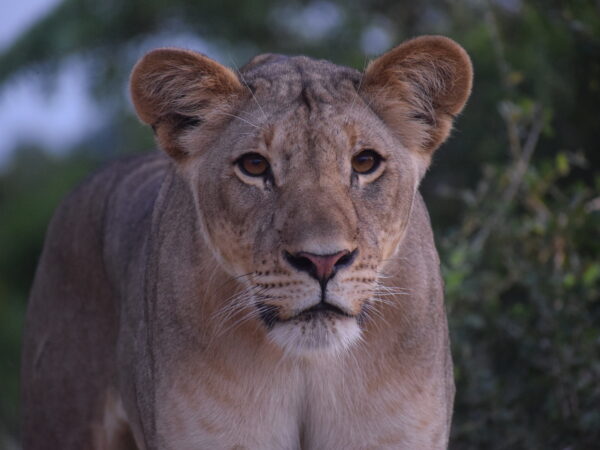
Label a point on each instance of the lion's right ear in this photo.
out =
(175, 89)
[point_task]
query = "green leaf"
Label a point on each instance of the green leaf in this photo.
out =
(562, 164)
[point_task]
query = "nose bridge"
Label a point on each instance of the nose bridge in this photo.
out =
(320, 219)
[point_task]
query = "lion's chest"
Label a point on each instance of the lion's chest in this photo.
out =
(294, 408)
(221, 408)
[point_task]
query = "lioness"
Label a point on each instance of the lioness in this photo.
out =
(271, 282)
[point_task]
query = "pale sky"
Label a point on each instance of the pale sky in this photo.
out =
(30, 114)
(18, 15)
(56, 120)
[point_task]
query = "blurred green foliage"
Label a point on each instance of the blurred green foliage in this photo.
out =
(524, 312)
(514, 195)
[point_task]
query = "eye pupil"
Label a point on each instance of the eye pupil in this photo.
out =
(253, 164)
(366, 162)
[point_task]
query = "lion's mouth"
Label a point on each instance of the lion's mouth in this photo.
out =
(321, 309)
(270, 314)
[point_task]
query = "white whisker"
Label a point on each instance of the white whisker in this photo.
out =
(251, 92)
(362, 77)
(241, 118)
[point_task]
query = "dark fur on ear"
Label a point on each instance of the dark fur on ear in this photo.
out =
(418, 88)
(175, 89)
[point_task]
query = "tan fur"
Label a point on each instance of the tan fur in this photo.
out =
(165, 310)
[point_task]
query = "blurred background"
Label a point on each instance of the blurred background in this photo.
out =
(514, 195)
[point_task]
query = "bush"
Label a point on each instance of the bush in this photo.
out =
(524, 309)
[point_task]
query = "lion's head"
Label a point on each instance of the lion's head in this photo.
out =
(304, 172)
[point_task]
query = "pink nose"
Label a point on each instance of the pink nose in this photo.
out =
(321, 267)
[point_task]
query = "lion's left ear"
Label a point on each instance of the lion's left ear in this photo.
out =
(418, 88)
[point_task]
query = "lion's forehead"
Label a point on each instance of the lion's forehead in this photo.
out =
(288, 80)
(298, 67)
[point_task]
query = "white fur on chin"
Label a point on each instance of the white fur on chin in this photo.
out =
(320, 335)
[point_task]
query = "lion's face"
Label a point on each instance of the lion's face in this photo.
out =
(303, 189)
(306, 196)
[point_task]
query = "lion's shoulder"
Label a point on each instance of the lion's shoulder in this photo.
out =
(112, 207)
(119, 179)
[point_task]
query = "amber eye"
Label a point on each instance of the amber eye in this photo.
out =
(253, 164)
(366, 161)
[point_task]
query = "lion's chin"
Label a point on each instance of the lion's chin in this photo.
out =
(319, 335)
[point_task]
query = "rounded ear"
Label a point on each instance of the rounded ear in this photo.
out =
(173, 90)
(418, 88)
